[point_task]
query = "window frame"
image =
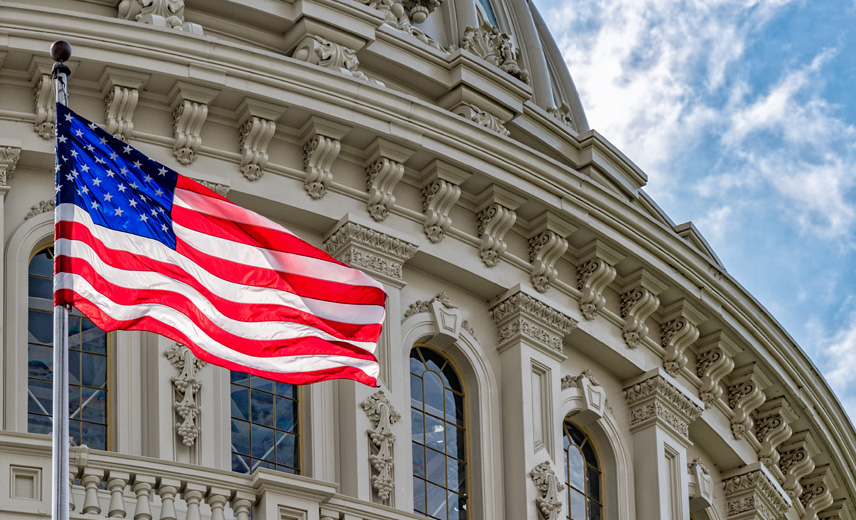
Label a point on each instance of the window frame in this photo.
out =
(600, 469)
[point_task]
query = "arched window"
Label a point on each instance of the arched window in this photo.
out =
(485, 12)
(87, 363)
(439, 436)
(265, 425)
(583, 481)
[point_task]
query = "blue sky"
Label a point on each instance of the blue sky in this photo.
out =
(743, 115)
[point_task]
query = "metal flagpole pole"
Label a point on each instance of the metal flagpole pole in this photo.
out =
(60, 52)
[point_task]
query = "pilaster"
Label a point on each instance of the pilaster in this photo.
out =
(440, 191)
(548, 235)
(660, 415)
(680, 330)
(321, 145)
(639, 299)
(595, 271)
(496, 216)
(752, 493)
(384, 168)
(530, 333)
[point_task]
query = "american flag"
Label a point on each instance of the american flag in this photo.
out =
(140, 247)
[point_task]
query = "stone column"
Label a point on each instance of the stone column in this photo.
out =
(531, 334)
(357, 242)
(660, 415)
(9, 153)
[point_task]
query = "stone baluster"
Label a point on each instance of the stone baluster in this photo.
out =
(192, 494)
(242, 504)
(91, 478)
(167, 491)
(143, 486)
(72, 474)
(216, 499)
(116, 482)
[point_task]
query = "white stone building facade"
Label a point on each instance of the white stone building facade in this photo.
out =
(555, 346)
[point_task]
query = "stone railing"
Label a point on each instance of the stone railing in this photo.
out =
(111, 485)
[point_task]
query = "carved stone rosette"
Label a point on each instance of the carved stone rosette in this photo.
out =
(187, 386)
(754, 494)
(9, 156)
(522, 317)
(377, 253)
(382, 416)
(160, 13)
(796, 461)
(714, 362)
(549, 487)
(495, 47)
(656, 400)
(772, 428)
(480, 117)
(744, 396)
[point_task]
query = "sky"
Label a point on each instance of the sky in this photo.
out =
(743, 115)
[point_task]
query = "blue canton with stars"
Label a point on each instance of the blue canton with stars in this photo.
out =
(118, 186)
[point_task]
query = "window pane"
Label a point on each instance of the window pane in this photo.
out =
(42, 264)
(286, 390)
(577, 436)
(262, 442)
(435, 430)
(39, 424)
(455, 442)
(94, 435)
(261, 383)
(593, 490)
(457, 475)
(416, 426)
(240, 463)
(576, 469)
(40, 362)
(436, 467)
(418, 461)
(93, 371)
(457, 507)
(595, 512)
(74, 368)
(286, 449)
(415, 391)
(436, 501)
(261, 408)
(433, 394)
(578, 506)
(286, 414)
(240, 437)
(239, 378)
(41, 397)
(41, 287)
(418, 495)
(454, 408)
(240, 403)
(94, 405)
(40, 327)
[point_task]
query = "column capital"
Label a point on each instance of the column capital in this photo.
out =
(752, 493)
(654, 399)
(523, 317)
(357, 244)
(9, 155)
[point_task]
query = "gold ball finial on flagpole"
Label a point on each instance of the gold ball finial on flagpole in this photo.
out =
(61, 51)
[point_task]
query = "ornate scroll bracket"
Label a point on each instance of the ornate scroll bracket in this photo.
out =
(745, 394)
(751, 492)
(589, 397)
(440, 191)
(257, 122)
(447, 317)
(475, 114)
(714, 362)
(321, 52)
(655, 400)
(384, 168)
(680, 329)
(521, 317)
(594, 273)
(321, 146)
(772, 428)
(187, 387)
(160, 13)
(549, 487)
(9, 156)
(563, 114)
(495, 47)
(796, 461)
(121, 91)
(382, 416)
(496, 217)
(701, 486)
(547, 242)
(638, 301)
(44, 98)
(817, 494)
(190, 110)
(379, 254)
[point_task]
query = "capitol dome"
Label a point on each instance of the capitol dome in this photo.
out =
(555, 346)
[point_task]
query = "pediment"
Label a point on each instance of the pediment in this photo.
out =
(691, 234)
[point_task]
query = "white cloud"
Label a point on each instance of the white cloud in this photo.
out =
(839, 357)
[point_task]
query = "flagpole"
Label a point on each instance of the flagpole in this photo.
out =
(60, 52)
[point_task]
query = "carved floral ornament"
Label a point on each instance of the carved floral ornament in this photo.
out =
(523, 317)
(437, 306)
(402, 14)
(160, 13)
(656, 399)
(187, 386)
(382, 416)
(495, 47)
(754, 491)
(549, 487)
(8, 161)
(365, 248)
